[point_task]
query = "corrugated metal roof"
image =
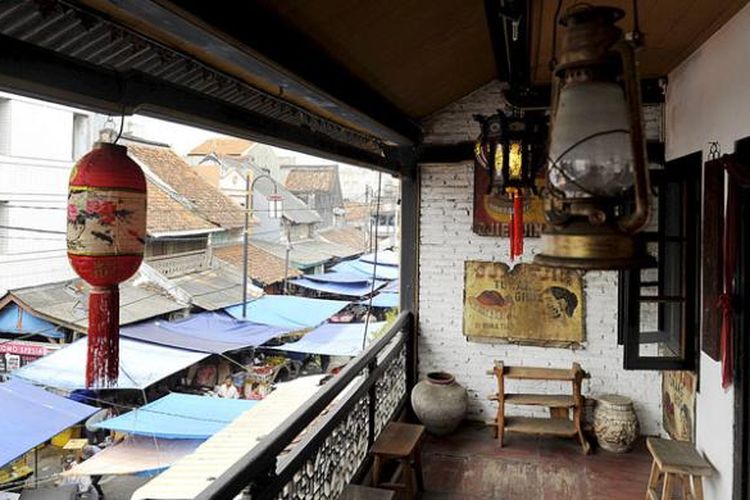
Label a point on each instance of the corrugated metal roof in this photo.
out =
(216, 288)
(79, 33)
(66, 303)
(309, 253)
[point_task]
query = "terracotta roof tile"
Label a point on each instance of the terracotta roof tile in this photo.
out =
(305, 180)
(166, 215)
(348, 236)
(171, 169)
(223, 146)
(355, 211)
(264, 267)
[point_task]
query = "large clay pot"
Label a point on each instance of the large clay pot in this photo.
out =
(439, 402)
(615, 423)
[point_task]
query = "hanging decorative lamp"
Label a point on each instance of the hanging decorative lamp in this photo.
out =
(598, 193)
(106, 232)
(509, 146)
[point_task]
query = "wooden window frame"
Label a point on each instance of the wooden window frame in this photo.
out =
(685, 172)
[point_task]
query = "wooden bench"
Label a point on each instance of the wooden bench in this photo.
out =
(559, 422)
(676, 460)
(399, 442)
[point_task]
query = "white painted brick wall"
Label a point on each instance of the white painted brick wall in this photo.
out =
(446, 242)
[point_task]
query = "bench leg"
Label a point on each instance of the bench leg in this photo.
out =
(666, 492)
(698, 487)
(653, 479)
(376, 471)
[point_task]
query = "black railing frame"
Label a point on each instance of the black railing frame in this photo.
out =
(257, 469)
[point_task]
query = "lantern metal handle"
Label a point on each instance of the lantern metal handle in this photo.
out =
(639, 218)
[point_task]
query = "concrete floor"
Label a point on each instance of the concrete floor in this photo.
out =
(470, 465)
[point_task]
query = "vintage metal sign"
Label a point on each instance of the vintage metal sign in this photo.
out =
(492, 212)
(678, 404)
(528, 304)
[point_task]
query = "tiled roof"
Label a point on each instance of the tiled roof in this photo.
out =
(223, 146)
(351, 237)
(166, 215)
(293, 209)
(355, 211)
(263, 267)
(311, 179)
(176, 174)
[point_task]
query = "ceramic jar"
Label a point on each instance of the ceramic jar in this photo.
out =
(615, 423)
(439, 403)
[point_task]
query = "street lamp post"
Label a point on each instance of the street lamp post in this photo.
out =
(275, 208)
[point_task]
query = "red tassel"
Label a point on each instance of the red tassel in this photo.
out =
(102, 366)
(517, 226)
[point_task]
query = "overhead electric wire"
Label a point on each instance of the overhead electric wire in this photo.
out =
(375, 263)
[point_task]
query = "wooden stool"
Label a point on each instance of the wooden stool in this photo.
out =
(400, 442)
(357, 492)
(676, 459)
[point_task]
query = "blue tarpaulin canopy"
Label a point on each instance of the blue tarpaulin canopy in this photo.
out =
(15, 320)
(383, 272)
(336, 277)
(287, 311)
(384, 299)
(333, 339)
(31, 416)
(206, 332)
(359, 289)
(394, 286)
(141, 364)
(179, 416)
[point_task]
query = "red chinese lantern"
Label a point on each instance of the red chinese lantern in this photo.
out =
(106, 231)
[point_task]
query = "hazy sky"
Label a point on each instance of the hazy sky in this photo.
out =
(183, 138)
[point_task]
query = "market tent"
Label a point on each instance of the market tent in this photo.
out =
(385, 257)
(333, 339)
(287, 311)
(141, 364)
(386, 300)
(189, 476)
(338, 277)
(15, 320)
(135, 455)
(179, 416)
(382, 272)
(358, 289)
(394, 286)
(206, 332)
(31, 416)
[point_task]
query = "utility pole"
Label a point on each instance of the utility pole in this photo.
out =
(286, 260)
(275, 209)
(246, 242)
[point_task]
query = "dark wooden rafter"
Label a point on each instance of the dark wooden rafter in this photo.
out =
(263, 44)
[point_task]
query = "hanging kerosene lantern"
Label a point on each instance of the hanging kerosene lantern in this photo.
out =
(509, 147)
(106, 232)
(597, 181)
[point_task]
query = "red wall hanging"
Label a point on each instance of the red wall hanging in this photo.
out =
(106, 233)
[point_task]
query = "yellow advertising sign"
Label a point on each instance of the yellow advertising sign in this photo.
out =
(528, 304)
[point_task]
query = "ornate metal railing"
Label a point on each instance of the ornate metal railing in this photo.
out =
(340, 426)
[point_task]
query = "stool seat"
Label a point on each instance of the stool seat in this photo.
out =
(357, 492)
(676, 460)
(398, 440)
(679, 457)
